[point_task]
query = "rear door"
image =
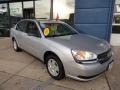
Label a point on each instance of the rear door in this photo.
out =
(20, 33)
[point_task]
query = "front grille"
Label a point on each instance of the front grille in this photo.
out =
(104, 57)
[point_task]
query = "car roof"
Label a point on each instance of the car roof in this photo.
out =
(50, 21)
(44, 21)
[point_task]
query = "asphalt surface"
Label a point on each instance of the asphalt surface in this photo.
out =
(21, 71)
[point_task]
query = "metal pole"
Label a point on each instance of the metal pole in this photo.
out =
(51, 10)
(22, 8)
(34, 7)
(9, 19)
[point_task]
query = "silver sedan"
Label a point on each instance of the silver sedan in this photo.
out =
(64, 51)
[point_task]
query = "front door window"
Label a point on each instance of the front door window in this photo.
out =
(32, 29)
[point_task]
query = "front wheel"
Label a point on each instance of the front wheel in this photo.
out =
(55, 67)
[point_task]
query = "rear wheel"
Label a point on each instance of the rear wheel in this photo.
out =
(15, 46)
(55, 67)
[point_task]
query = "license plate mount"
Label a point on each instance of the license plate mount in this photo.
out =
(110, 65)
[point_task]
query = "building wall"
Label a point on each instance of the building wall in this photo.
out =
(94, 17)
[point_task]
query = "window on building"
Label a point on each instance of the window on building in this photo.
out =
(28, 4)
(64, 10)
(16, 13)
(116, 18)
(16, 9)
(42, 9)
(4, 21)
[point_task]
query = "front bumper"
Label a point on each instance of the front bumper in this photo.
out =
(87, 72)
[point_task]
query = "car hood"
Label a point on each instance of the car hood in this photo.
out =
(82, 42)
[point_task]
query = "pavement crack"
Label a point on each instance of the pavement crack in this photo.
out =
(5, 48)
(64, 87)
(17, 72)
(107, 81)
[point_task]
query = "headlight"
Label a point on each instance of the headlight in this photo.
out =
(83, 55)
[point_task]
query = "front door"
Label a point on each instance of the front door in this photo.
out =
(33, 43)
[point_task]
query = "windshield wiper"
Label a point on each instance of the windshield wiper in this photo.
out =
(61, 35)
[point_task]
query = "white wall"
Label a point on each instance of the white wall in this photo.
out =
(115, 40)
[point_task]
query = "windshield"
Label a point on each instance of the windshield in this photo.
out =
(56, 29)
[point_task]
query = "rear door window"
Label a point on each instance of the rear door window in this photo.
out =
(22, 26)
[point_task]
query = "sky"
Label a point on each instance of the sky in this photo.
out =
(61, 7)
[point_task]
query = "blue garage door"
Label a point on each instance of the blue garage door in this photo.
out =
(94, 17)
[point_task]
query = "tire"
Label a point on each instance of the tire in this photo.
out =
(15, 46)
(56, 69)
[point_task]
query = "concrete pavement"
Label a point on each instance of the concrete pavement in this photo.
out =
(21, 71)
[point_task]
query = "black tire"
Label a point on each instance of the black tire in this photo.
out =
(16, 48)
(61, 73)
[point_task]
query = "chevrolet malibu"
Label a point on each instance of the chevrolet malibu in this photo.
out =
(64, 51)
